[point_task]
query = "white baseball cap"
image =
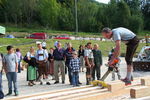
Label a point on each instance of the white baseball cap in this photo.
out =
(38, 42)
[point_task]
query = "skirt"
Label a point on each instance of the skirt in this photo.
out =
(31, 73)
(51, 68)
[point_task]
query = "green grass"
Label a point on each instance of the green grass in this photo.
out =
(25, 31)
(105, 47)
(22, 32)
(14, 41)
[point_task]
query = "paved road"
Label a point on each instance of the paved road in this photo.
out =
(24, 89)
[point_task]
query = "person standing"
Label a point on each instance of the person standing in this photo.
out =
(46, 77)
(131, 41)
(1, 71)
(11, 69)
(31, 69)
(41, 58)
(81, 56)
(75, 68)
(89, 62)
(51, 63)
(59, 64)
(97, 62)
(68, 57)
(117, 65)
(19, 55)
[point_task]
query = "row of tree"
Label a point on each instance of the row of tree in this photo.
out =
(60, 14)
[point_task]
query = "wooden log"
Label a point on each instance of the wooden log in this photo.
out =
(139, 92)
(115, 86)
(145, 81)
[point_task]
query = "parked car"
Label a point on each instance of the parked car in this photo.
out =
(38, 36)
(67, 37)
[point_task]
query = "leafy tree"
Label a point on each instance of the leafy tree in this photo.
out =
(135, 24)
(87, 11)
(122, 15)
(66, 18)
(146, 14)
(49, 11)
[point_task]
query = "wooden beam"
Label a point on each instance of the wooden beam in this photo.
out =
(145, 81)
(115, 86)
(139, 92)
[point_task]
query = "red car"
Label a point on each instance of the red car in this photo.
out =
(38, 36)
(63, 37)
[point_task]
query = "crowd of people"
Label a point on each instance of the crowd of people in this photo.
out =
(44, 64)
(58, 61)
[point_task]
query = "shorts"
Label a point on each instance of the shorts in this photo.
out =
(131, 48)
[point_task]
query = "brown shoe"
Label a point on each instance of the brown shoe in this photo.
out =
(33, 83)
(30, 84)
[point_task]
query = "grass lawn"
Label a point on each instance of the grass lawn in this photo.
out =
(105, 47)
(22, 32)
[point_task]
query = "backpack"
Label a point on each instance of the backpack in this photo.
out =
(25, 59)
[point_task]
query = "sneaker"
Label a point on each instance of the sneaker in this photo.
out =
(63, 82)
(56, 82)
(128, 83)
(79, 83)
(125, 79)
(48, 83)
(87, 83)
(16, 93)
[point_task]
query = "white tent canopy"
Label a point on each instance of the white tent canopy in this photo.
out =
(2, 30)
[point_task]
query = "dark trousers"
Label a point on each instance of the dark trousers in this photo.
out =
(75, 78)
(69, 73)
(12, 78)
(96, 69)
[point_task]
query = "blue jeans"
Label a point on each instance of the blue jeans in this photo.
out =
(19, 66)
(12, 78)
(75, 78)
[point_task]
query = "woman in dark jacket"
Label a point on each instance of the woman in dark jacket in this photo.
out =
(51, 62)
(81, 56)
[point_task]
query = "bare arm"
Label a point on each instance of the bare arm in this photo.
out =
(16, 67)
(116, 52)
(117, 49)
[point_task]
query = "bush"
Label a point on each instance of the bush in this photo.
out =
(135, 24)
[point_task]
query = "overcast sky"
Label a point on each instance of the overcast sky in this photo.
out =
(103, 1)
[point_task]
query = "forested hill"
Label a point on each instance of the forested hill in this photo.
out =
(60, 14)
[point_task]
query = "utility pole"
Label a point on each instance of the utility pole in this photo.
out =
(76, 17)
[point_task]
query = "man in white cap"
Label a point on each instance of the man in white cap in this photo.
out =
(41, 57)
